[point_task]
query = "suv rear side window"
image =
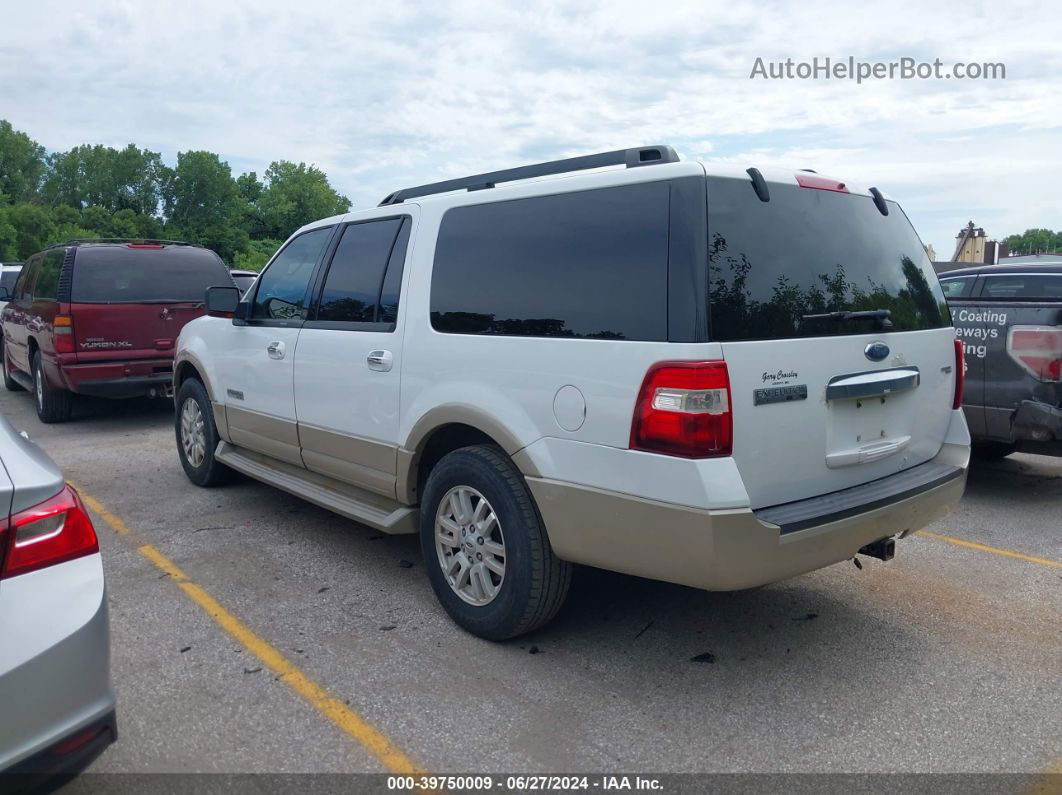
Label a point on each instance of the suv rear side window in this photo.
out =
(586, 264)
(811, 252)
(48, 279)
(356, 274)
(1022, 286)
(281, 293)
(122, 275)
(957, 288)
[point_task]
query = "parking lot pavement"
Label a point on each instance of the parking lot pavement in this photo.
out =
(948, 658)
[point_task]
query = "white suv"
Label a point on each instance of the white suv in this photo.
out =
(719, 379)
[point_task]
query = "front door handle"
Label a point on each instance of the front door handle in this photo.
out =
(381, 361)
(275, 350)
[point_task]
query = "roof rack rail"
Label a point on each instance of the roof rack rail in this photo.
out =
(134, 240)
(639, 156)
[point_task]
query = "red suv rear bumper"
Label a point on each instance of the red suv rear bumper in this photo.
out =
(118, 379)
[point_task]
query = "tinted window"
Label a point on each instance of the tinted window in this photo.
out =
(281, 293)
(8, 279)
(243, 281)
(122, 275)
(392, 284)
(352, 287)
(587, 264)
(1022, 287)
(956, 288)
(48, 278)
(24, 286)
(811, 252)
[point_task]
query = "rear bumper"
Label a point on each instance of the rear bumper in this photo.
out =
(65, 758)
(118, 379)
(723, 550)
(54, 667)
(1038, 427)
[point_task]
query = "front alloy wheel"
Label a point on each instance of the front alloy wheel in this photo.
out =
(193, 433)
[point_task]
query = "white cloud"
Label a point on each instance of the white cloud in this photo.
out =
(388, 94)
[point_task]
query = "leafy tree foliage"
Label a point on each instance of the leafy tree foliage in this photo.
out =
(21, 164)
(1035, 241)
(99, 191)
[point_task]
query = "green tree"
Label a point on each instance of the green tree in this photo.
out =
(116, 179)
(203, 204)
(21, 164)
(34, 228)
(295, 195)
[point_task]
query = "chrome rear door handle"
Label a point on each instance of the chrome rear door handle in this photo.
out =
(275, 350)
(381, 361)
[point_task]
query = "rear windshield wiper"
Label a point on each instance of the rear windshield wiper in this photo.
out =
(881, 315)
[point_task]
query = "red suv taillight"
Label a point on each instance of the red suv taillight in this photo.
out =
(1038, 349)
(960, 373)
(683, 409)
(55, 531)
(63, 326)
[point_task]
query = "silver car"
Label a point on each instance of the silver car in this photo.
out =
(56, 702)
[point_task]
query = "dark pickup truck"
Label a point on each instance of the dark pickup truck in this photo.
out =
(1010, 319)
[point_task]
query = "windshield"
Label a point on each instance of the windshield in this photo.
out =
(797, 265)
(119, 274)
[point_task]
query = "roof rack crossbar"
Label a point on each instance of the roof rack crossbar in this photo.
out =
(639, 156)
(134, 240)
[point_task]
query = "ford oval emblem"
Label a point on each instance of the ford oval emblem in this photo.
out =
(876, 351)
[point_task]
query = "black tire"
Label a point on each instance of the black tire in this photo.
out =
(535, 581)
(53, 404)
(9, 383)
(991, 451)
(209, 471)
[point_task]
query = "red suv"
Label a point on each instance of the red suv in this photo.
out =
(101, 318)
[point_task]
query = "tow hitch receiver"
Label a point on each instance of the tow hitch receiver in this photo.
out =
(882, 549)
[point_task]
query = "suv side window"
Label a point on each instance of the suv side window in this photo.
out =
(357, 273)
(956, 288)
(591, 264)
(24, 286)
(281, 293)
(48, 279)
(1022, 287)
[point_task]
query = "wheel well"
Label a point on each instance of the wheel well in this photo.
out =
(186, 370)
(443, 440)
(32, 347)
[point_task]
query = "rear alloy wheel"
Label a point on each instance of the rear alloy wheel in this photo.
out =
(9, 383)
(197, 436)
(53, 404)
(485, 548)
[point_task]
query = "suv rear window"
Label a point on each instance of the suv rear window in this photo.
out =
(584, 264)
(123, 275)
(1022, 286)
(809, 252)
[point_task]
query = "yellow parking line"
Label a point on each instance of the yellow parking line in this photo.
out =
(320, 699)
(1007, 553)
(97, 507)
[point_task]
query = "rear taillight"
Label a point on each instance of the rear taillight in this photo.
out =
(63, 326)
(1038, 349)
(960, 374)
(683, 409)
(55, 531)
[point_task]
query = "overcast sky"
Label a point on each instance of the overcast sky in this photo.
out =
(390, 94)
